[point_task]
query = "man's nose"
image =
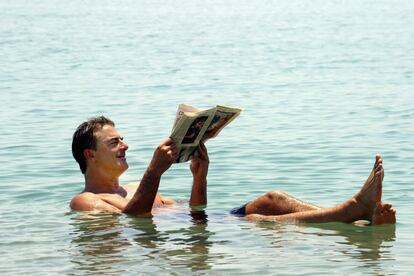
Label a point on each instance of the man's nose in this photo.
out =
(124, 145)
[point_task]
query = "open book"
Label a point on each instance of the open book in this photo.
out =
(193, 125)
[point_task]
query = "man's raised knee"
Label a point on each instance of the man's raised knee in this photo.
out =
(275, 195)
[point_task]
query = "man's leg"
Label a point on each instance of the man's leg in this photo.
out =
(366, 204)
(277, 203)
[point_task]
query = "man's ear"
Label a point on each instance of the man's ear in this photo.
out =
(89, 154)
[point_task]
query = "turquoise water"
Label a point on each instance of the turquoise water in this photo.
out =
(324, 85)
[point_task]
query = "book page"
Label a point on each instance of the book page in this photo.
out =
(193, 125)
(222, 117)
(182, 108)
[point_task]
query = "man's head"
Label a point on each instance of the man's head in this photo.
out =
(97, 142)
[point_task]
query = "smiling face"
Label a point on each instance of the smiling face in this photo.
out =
(110, 153)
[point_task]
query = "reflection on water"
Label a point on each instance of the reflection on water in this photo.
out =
(105, 243)
(369, 244)
(181, 247)
(197, 240)
(99, 242)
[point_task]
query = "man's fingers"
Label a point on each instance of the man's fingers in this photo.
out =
(175, 156)
(168, 144)
(202, 150)
(174, 153)
(168, 149)
(167, 141)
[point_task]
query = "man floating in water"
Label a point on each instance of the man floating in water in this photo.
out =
(101, 153)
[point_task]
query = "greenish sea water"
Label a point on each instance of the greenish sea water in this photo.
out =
(324, 86)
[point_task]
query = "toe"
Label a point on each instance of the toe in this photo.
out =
(377, 158)
(387, 205)
(379, 167)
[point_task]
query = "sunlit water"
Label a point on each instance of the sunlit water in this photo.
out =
(324, 85)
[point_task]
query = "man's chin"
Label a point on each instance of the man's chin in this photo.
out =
(123, 164)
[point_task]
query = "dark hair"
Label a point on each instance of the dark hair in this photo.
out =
(84, 138)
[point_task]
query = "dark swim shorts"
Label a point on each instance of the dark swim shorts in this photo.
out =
(239, 211)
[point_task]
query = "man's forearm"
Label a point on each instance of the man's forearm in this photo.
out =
(199, 192)
(144, 197)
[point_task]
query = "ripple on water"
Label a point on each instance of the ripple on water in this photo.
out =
(323, 87)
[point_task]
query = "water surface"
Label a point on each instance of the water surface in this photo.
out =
(323, 87)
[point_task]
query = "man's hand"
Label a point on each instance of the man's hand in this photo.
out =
(199, 169)
(164, 156)
(199, 164)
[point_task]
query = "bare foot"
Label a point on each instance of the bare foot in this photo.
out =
(383, 213)
(378, 161)
(371, 192)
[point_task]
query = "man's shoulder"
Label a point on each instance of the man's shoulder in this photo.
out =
(85, 201)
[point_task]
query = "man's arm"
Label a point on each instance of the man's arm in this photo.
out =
(199, 169)
(143, 199)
